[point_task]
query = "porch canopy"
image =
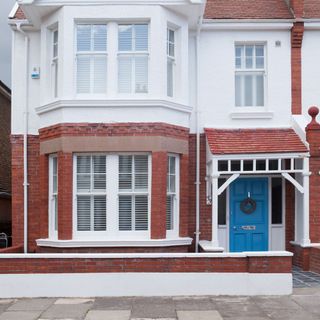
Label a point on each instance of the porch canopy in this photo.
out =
(232, 153)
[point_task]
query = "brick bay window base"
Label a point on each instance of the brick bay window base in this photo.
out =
(104, 188)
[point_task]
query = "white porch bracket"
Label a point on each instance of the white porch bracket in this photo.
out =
(228, 182)
(287, 176)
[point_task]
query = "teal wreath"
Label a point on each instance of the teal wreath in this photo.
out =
(248, 206)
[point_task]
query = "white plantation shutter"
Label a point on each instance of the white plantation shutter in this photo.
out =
(91, 193)
(91, 58)
(133, 58)
(133, 181)
(125, 213)
(172, 195)
(169, 212)
(141, 212)
(83, 213)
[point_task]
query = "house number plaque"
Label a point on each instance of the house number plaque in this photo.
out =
(248, 227)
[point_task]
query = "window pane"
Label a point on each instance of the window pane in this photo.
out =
(170, 35)
(99, 37)
(172, 183)
(141, 40)
(248, 90)
(125, 164)
(170, 78)
(172, 165)
(99, 74)
(141, 212)
(83, 213)
(238, 52)
(238, 90)
(141, 66)
(83, 164)
(83, 74)
(141, 164)
(169, 213)
(125, 74)
(84, 37)
(260, 90)
(222, 204)
(83, 182)
(125, 38)
(249, 57)
(276, 201)
(100, 213)
(125, 213)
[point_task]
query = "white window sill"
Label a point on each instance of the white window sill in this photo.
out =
(251, 113)
(113, 243)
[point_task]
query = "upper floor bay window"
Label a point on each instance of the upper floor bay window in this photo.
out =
(250, 75)
(170, 61)
(111, 195)
(54, 63)
(91, 56)
(133, 58)
(172, 194)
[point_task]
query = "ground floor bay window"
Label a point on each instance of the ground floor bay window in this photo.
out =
(111, 196)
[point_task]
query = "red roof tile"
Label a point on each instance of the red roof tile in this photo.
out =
(247, 141)
(311, 9)
(247, 9)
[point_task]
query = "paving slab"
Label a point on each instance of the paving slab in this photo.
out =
(108, 315)
(194, 304)
(63, 311)
(309, 303)
(73, 301)
(153, 308)
(112, 304)
(199, 315)
(37, 304)
(20, 315)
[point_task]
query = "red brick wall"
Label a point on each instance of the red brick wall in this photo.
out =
(301, 257)
(315, 259)
(296, 43)
(199, 264)
(289, 214)
(33, 190)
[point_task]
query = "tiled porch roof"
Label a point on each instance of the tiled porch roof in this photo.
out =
(248, 141)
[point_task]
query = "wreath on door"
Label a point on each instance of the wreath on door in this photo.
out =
(248, 206)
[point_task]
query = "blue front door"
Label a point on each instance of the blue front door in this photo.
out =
(249, 215)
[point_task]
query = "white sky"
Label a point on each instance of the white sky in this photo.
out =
(5, 42)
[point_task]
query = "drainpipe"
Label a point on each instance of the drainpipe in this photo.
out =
(25, 142)
(197, 113)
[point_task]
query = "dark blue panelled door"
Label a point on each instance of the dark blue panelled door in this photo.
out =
(249, 215)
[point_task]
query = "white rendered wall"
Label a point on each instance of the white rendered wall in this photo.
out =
(217, 71)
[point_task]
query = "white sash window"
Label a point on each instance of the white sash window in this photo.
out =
(250, 75)
(54, 63)
(170, 61)
(133, 58)
(53, 197)
(91, 58)
(172, 212)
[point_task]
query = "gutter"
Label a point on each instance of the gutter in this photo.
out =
(25, 141)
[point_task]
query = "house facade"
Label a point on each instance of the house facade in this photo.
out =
(167, 127)
(5, 162)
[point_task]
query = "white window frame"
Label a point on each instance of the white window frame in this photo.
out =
(172, 60)
(90, 53)
(252, 71)
(54, 64)
(53, 200)
(174, 232)
(133, 54)
(112, 199)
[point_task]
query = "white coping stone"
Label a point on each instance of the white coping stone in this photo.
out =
(72, 301)
(199, 315)
(108, 314)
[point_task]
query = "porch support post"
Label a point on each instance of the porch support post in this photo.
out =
(306, 226)
(214, 237)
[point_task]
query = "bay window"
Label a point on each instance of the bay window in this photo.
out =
(91, 56)
(172, 206)
(250, 75)
(133, 58)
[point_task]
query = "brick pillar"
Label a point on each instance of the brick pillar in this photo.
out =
(17, 189)
(313, 138)
(65, 173)
(296, 44)
(159, 195)
(184, 195)
(44, 187)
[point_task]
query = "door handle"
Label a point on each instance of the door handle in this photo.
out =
(234, 228)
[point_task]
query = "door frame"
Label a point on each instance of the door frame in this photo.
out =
(226, 227)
